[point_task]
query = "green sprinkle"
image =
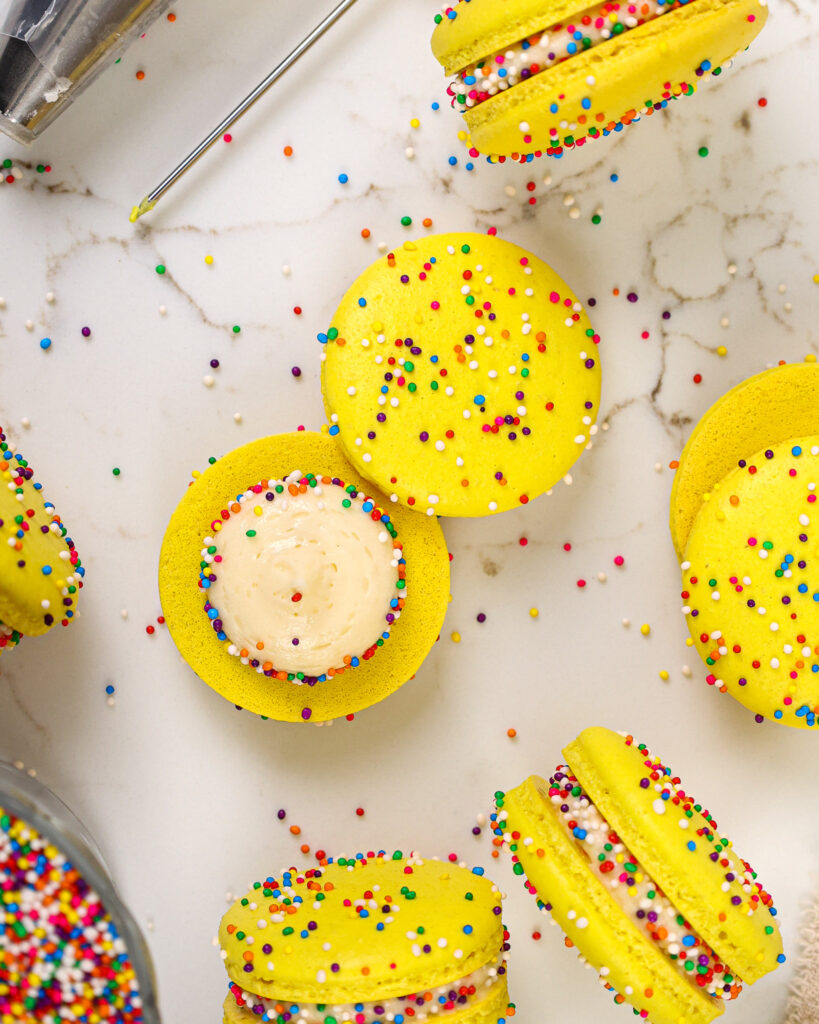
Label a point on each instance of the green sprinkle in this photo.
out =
(596, 218)
(160, 268)
(703, 151)
(116, 471)
(236, 329)
(406, 221)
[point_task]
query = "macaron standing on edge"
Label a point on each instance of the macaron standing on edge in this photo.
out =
(641, 881)
(461, 375)
(743, 521)
(371, 938)
(533, 77)
(294, 588)
(40, 570)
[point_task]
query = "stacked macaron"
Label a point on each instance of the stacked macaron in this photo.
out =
(639, 878)
(40, 571)
(374, 938)
(534, 77)
(743, 515)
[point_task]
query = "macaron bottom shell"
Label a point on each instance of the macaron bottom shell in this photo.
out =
(496, 1009)
(412, 637)
(558, 874)
(602, 89)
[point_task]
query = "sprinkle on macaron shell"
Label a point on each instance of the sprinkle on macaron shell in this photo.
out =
(368, 930)
(461, 375)
(40, 570)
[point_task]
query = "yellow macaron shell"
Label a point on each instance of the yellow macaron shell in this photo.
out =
(432, 904)
(31, 593)
(462, 375)
(750, 583)
(484, 27)
(611, 769)
(412, 636)
(610, 84)
(764, 410)
(559, 874)
(491, 1010)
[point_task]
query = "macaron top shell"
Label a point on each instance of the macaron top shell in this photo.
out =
(751, 582)
(766, 409)
(377, 927)
(678, 842)
(461, 375)
(480, 27)
(37, 556)
(412, 637)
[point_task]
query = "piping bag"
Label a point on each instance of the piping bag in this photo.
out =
(50, 50)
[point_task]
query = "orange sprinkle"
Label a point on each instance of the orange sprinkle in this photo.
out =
(511, 733)
(295, 830)
(140, 75)
(427, 222)
(365, 232)
(171, 17)
(288, 150)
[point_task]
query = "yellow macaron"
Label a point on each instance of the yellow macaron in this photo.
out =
(461, 375)
(742, 508)
(639, 878)
(40, 571)
(209, 501)
(376, 937)
(544, 76)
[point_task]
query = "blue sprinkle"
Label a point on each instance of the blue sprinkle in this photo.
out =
(46, 570)
(796, 450)
(614, 177)
(453, 161)
(334, 430)
(436, 105)
(477, 871)
(479, 399)
(45, 344)
(585, 103)
(467, 929)
(109, 688)
(362, 302)
(781, 958)
(343, 178)
(691, 844)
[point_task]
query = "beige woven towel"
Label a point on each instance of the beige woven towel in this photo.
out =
(803, 1004)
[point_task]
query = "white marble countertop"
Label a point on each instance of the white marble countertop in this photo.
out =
(182, 790)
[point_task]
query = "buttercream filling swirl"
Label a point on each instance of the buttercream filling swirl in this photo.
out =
(636, 893)
(303, 577)
(514, 64)
(426, 1005)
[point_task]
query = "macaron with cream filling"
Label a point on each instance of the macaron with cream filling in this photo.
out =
(533, 77)
(640, 879)
(375, 939)
(300, 593)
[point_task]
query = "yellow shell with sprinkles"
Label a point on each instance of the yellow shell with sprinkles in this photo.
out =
(534, 77)
(461, 375)
(641, 881)
(275, 696)
(751, 582)
(741, 507)
(367, 938)
(40, 571)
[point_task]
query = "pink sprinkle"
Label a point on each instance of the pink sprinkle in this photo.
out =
(581, 583)
(619, 560)
(435, 305)
(228, 138)
(554, 297)
(752, 541)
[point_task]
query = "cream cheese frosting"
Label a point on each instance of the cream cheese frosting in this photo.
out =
(519, 62)
(431, 1004)
(304, 577)
(636, 893)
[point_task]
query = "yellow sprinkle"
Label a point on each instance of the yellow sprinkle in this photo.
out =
(816, 278)
(456, 638)
(534, 612)
(722, 351)
(462, 136)
(663, 675)
(645, 629)
(209, 260)
(257, 510)
(325, 428)
(689, 641)
(415, 123)
(810, 357)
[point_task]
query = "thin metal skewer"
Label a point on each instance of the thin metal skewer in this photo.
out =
(150, 201)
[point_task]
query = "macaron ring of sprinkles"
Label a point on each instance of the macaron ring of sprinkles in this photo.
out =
(613, 908)
(392, 553)
(461, 375)
(314, 494)
(376, 938)
(529, 87)
(41, 573)
(62, 957)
